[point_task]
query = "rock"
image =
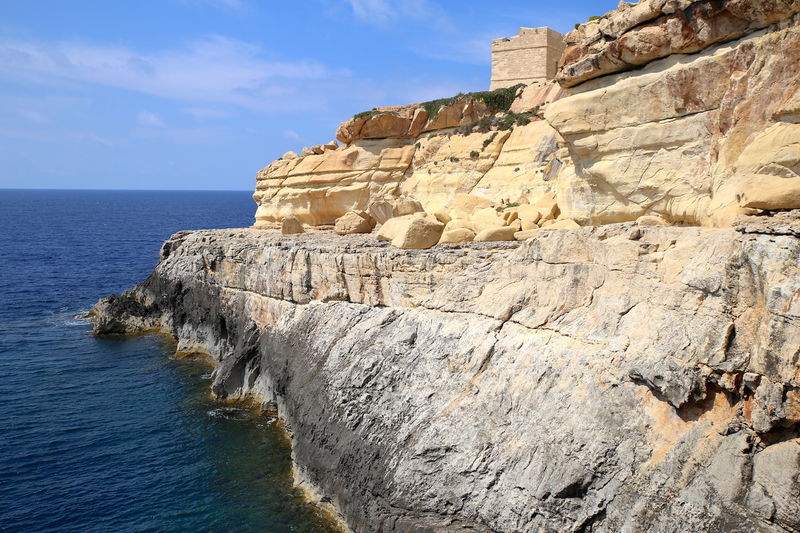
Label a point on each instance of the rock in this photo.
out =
(392, 228)
(771, 193)
(443, 217)
(289, 156)
(418, 233)
(496, 234)
(407, 206)
(318, 149)
(555, 361)
(318, 189)
(463, 206)
(525, 235)
(354, 222)
(487, 218)
(655, 29)
(381, 211)
(291, 226)
(459, 223)
(306, 151)
(457, 236)
(560, 224)
(721, 116)
(652, 220)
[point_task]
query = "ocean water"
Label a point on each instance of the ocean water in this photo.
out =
(100, 435)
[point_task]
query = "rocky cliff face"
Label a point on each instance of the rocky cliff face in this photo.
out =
(685, 109)
(597, 379)
(687, 136)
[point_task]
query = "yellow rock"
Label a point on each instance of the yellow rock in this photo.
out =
(771, 193)
(652, 220)
(525, 235)
(486, 219)
(561, 224)
(457, 236)
(504, 233)
(418, 233)
(290, 226)
(354, 222)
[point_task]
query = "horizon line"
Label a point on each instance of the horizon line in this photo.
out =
(118, 190)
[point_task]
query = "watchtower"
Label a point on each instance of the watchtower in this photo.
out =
(530, 56)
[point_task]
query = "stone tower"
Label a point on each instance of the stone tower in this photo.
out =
(530, 56)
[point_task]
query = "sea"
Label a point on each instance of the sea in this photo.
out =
(111, 435)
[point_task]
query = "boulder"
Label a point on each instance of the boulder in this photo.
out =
(771, 193)
(392, 228)
(548, 206)
(407, 206)
(457, 236)
(562, 224)
(525, 235)
(318, 149)
(417, 233)
(307, 151)
(381, 211)
(530, 214)
(487, 218)
(354, 222)
(652, 220)
(459, 223)
(290, 155)
(291, 225)
(502, 233)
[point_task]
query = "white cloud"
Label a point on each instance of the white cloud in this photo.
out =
(215, 70)
(380, 12)
(293, 135)
(147, 118)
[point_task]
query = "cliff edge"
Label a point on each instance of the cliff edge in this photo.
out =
(596, 379)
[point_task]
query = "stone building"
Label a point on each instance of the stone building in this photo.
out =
(530, 56)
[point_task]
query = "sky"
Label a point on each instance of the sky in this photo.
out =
(201, 94)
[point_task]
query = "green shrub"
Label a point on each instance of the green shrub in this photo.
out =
(474, 154)
(489, 140)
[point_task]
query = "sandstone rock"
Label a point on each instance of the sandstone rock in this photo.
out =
(496, 234)
(457, 236)
(289, 156)
(418, 233)
(459, 223)
(526, 234)
(443, 217)
(486, 218)
(318, 189)
(655, 29)
(407, 206)
(652, 220)
(381, 211)
(354, 222)
(463, 206)
(291, 226)
(393, 227)
(701, 126)
(561, 224)
(318, 149)
(771, 192)
(306, 151)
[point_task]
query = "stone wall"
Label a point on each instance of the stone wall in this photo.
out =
(525, 58)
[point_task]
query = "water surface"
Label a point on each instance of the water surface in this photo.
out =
(103, 435)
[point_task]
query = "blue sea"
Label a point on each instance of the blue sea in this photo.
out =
(109, 435)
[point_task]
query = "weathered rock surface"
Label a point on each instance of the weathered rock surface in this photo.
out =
(652, 29)
(686, 136)
(606, 379)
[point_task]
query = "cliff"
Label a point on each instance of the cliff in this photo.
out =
(620, 376)
(598, 379)
(687, 110)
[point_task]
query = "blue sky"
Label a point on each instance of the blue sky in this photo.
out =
(200, 94)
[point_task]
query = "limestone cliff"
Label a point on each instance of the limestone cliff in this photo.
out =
(613, 377)
(684, 109)
(599, 379)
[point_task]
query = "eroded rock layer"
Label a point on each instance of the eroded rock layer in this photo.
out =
(598, 379)
(690, 137)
